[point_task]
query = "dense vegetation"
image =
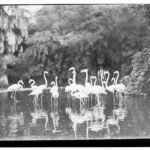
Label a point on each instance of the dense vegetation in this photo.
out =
(83, 36)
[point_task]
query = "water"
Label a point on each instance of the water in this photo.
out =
(128, 117)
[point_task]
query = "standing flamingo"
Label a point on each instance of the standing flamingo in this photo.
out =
(119, 87)
(33, 86)
(39, 90)
(43, 86)
(74, 85)
(54, 89)
(14, 88)
(88, 86)
(78, 88)
(68, 89)
(97, 89)
(55, 93)
(109, 88)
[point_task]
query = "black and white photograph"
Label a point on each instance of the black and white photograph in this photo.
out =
(74, 72)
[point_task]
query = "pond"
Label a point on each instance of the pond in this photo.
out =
(67, 118)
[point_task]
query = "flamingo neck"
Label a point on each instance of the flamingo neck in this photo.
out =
(20, 83)
(56, 82)
(69, 81)
(86, 77)
(74, 77)
(107, 78)
(91, 81)
(53, 84)
(33, 83)
(45, 79)
(113, 82)
(95, 81)
(102, 80)
(117, 77)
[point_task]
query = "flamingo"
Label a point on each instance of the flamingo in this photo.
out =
(14, 88)
(80, 89)
(43, 86)
(119, 87)
(109, 88)
(74, 86)
(55, 93)
(88, 86)
(97, 89)
(36, 92)
(39, 90)
(54, 89)
(33, 86)
(68, 89)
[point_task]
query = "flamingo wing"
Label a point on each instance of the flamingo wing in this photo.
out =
(14, 87)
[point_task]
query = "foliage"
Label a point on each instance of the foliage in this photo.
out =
(13, 30)
(84, 36)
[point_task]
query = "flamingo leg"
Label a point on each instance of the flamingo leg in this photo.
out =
(15, 110)
(91, 101)
(12, 95)
(37, 102)
(54, 105)
(41, 101)
(15, 97)
(57, 104)
(69, 100)
(97, 97)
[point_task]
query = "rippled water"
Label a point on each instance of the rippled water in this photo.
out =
(69, 119)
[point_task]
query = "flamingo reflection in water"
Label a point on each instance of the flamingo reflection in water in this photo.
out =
(77, 117)
(39, 114)
(16, 123)
(97, 123)
(121, 111)
(113, 121)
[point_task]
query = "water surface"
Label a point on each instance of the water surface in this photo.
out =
(68, 119)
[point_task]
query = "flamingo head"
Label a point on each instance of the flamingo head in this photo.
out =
(116, 72)
(20, 82)
(52, 83)
(106, 72)
(84, 70)
(45, 72)
(72, 69)
(31, 80)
